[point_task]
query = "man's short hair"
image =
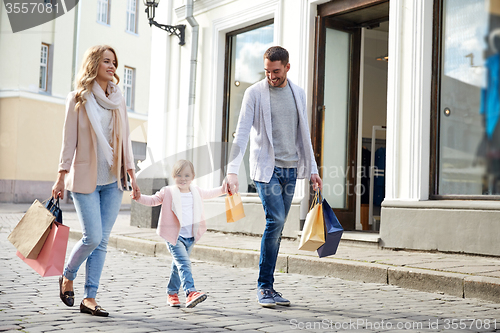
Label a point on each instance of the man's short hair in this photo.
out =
(277, 53)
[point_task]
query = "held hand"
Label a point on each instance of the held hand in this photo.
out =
(136, 191)
(231, 184)
(317, 182)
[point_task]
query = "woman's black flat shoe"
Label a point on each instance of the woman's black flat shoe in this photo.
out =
(68, 297)
(98, 311)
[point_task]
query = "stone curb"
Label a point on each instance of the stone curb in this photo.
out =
(428, 280)
(482, 287)
(455, 284)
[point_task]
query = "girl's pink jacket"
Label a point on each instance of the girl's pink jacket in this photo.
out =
(169, 222)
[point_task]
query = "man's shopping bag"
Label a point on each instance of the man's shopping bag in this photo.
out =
(30, 233)
(234, 208)
(313, 233)
(333, 231)
(50, 261)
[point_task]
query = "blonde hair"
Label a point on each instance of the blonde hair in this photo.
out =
(88, 72)
(180, 165)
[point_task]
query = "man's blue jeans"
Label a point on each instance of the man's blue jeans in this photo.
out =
(180, 273)
(97, 212)
(276, 199)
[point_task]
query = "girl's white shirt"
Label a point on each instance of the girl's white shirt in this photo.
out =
(187, 215)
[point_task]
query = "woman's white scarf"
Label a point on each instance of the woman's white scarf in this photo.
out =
(112, 102)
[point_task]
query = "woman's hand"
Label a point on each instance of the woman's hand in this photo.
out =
(58, 188)
(136, 191)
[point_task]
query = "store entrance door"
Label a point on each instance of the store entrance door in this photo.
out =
(337, 99)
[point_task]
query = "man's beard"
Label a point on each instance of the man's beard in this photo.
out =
(277, 84)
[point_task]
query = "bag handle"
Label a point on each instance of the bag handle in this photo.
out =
(320, 196)
(53, 207)
(316, 200)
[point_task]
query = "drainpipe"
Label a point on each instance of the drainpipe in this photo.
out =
(76, 42)
(192, 77)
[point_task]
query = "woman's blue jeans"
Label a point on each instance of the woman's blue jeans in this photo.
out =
(180, 273)
(97, 212)
(276, 199)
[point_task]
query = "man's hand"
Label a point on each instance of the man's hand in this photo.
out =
(231, 184)
(316, 181)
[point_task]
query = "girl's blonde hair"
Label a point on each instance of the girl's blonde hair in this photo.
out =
(180, 165)
(88, 72)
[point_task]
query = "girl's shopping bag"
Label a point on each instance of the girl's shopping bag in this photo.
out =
(313, 233)
(30, 233)
(50, 261)
(234, 208)
(333, 231)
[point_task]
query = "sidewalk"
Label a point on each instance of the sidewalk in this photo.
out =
(358, 258)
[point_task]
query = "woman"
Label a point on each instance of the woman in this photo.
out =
(96, 154)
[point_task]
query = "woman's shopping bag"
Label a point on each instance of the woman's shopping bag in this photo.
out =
(333, 232)
(53, 207)
(30, 233)
(313, 233)
(234, 208)
(50, 261)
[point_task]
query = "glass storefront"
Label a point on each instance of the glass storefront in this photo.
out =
(469, 105)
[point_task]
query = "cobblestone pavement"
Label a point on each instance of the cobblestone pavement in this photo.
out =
(133, 291)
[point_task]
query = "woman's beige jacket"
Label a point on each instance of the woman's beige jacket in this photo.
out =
(79, 149)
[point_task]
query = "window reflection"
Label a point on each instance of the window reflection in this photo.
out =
(246, 67)
(469, 137)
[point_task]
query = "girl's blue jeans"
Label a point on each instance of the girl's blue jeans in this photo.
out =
(180, 273)
(276, 199)
(97, 212)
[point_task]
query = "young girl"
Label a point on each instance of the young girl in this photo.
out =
(181, 224)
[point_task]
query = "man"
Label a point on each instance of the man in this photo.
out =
(273, 114)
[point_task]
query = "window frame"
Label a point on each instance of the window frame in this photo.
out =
(437, 44)
(227, 76)
(131, 86)
(129, 12)
(103, 4)
(46, 65)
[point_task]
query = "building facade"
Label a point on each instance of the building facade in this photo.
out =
(36, 74)
(403, 109)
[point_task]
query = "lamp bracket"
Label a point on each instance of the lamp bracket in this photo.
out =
(178, 30)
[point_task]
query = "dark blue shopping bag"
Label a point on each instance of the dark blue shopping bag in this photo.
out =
(333, 232)
(53, 207)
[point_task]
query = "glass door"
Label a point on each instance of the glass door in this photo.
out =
(335, 123)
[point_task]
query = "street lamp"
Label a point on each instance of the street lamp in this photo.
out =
(178, 30)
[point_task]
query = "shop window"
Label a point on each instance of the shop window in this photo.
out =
(244, 67)
(466, 103)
